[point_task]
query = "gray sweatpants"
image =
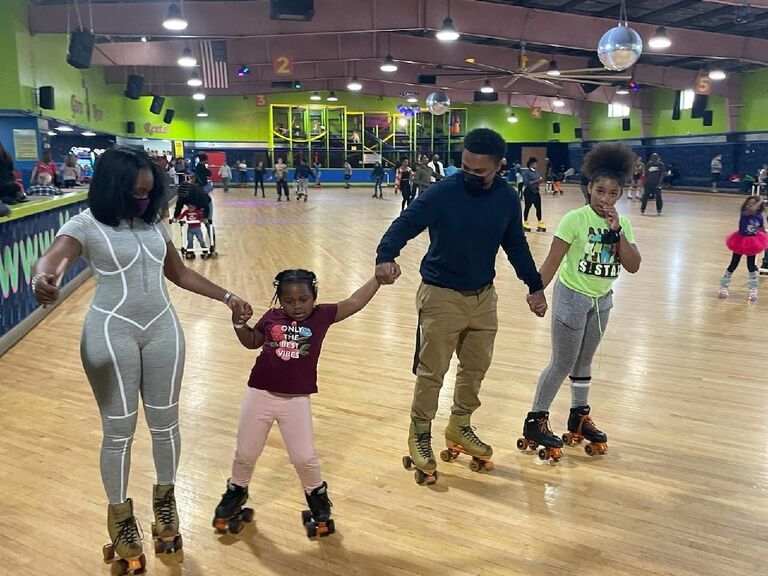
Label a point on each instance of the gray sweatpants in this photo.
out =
(578, 323)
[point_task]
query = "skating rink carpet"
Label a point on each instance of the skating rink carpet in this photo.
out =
(678, 387)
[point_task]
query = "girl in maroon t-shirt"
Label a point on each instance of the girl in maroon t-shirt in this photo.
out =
(285, 374)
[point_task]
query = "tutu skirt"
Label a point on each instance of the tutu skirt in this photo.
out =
(747, 245)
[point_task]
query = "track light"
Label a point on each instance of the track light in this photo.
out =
(194, 80)
(65, 128)
(487, 88)
(553, 69)
(717, 74)
(512, 118)
(89, 133)
(202, 113)
(187, 59)
(622, 90)
(388, 65)
(558, 102)
(315, 97)
(660, 40)
(412, 99)
(354, 85)
(198, 95)
(174, 20)
(243, 71)
(448, 32)
(332, 97)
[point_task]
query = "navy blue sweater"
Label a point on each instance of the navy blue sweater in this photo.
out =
(465, 232)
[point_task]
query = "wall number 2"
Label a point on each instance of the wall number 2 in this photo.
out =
(283, 65)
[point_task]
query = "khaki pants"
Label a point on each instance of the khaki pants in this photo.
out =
(453, 321)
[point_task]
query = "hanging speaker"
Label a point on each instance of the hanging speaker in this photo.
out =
(556, 127)
(430, 79)
(157, 104)
(699, 105)
(626, 124)
(80, 49)
(301, 10)
(483, 97)
(676, 106)
(708, 117)
(130, 127)
(577, 133)
(45, 98)
(168, 118)
(134, 86)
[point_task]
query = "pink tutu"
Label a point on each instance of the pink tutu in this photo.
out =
(747, 245)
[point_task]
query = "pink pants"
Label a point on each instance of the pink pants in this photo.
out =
(294, 417)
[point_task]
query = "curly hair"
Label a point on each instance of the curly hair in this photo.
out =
(296, 276)
(610, 160)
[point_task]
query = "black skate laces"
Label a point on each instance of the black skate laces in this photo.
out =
(234, 495)
(320, 502)
(128, 532)
(165, 509)
(424, 445)
(469, 433)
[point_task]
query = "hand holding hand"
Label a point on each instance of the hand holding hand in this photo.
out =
(46, 286)
(241, 310)
(387, 272)
(537, 302)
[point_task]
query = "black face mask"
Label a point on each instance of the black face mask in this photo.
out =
(472, 182)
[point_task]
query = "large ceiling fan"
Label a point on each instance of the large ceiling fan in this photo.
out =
(541, 71)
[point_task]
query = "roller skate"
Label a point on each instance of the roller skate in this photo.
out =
(581, 426)
(165, 528)
(190, 255)
(538, 434)
(725, 282)
(764, 267)
(540, 227)
(527, 226)
(205, 255)
(753, 280)
(317, 520)
(230, 514)
(125, 551)
(421, 458)
(460, 438)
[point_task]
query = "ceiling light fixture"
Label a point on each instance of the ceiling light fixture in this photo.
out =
(315, 97)
(51, 133)
(553, 69)
(354, 85)
(412, 99)
(64, 128)
(143, 38)
(174, 20)
(558, 102)
(332, 97)
(198, 95)
(487, 88)
(448, 31)
(660, 40)
(187, 59)
(717, 74)
(622, 90)
(512, 118)
(388, 65)
(89, 133)
(202, 113)
(194, 80)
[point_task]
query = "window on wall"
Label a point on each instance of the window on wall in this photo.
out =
(686, 101)
(618, 110)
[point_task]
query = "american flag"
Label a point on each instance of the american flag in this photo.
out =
(214, 63)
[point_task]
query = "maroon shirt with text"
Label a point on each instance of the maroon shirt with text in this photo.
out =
(287, 363)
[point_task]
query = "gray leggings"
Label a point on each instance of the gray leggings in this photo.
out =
(578, 323)
(122, 360)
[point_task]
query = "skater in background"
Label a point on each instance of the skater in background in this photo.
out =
(591, 245)
(531, 193)
(423, 176)
(378, 176)
(124, 362)
(469, 218)
(194, 217)
(317, 172)
(281, 179)
(225, 173)
(403, 183)
(203, 173)
(451, 169)
(258, 178)
(654, 171)
(290, 339)
(749, 240)
(519, 180)
(637, 180)
(715, 169)
(584, 186)
(302, 178)
(438, 173)
(242, 168)
(347, 174)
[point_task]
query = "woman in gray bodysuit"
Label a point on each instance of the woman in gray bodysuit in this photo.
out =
(132, 342)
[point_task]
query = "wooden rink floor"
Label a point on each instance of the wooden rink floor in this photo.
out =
(678, 386)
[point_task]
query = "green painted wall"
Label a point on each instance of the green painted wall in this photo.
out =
(13, 24)
(601, 127)
(754, 94)
(663, 125)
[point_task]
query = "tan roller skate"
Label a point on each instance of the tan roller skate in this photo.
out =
(165, 528)
(460, 438)
(421, 458)
(125, 551)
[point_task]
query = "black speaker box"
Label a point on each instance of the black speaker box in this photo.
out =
(168, 118)
(80, 49)
(626, 124)
(708, 117)
(134, 86)
(483, 97)
(157, 104)
(578, 133)
(676, 106)
(427, 79)
(46, 99)
(301, 10)
(556, 127)
(700, 102)
(130, 127)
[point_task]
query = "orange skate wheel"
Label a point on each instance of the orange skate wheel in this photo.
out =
(489, 465)
(567, 439)
(589, 449)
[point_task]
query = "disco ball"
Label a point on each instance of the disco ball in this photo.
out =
(619, 48)
(438, 103)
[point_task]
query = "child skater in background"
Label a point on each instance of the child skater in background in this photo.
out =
(285, 374)
(749, 240)
(591, 245)
(194, 217)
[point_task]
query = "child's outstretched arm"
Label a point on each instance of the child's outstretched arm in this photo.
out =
(357, 301)
(249, 337)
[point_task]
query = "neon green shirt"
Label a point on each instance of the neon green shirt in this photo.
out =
(589, 266)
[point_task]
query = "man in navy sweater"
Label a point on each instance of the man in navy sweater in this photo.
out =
(469, 216)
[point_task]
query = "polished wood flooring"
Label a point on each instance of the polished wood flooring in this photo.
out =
(679, 387)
